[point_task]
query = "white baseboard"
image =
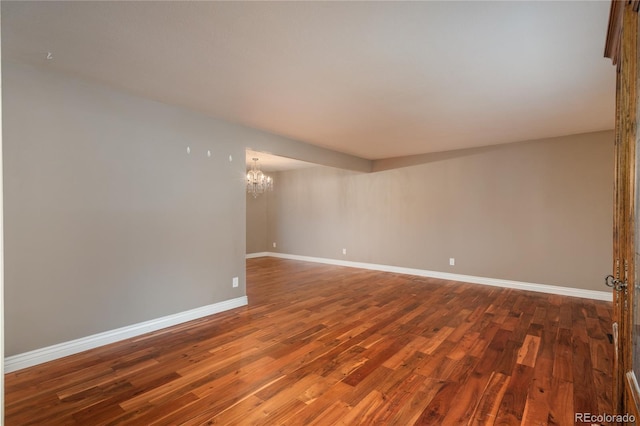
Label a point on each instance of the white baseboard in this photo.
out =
(38, 356)
(519, 285)
(259, 254)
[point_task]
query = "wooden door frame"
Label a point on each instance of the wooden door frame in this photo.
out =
(622, 47)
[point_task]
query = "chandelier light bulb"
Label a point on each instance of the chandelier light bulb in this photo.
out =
(258, 182)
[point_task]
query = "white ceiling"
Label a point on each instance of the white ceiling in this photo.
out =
(372, 79)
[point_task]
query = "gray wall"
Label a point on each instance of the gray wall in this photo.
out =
(257, 223)
(537, 212)
(108, 221)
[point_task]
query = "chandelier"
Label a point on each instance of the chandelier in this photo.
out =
(258, 182)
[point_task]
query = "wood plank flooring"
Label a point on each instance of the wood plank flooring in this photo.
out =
(324, 345)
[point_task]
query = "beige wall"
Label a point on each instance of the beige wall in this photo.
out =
(537, 212)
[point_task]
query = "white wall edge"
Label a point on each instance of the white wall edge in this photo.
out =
(519, 285)
(49, 353)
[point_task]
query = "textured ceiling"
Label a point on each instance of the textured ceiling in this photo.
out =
(372, 79)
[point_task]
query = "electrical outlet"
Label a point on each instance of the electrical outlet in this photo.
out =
(235, 281)
(344, 251)
(452, 261)
(274, 244)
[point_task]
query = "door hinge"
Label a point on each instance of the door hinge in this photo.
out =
(614, 281)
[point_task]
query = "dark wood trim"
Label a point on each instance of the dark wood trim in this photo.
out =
(622, 47)
(614, 32)
(629, 76)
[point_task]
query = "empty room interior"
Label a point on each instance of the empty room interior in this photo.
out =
(319, 213)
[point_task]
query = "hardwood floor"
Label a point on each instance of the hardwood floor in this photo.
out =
(329, 345)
